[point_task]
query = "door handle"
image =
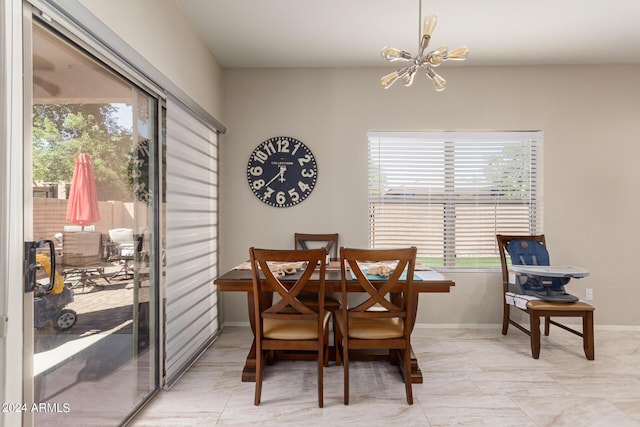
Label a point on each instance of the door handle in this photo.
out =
(31, 265)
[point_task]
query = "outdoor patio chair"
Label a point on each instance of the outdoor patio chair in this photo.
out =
(82, 258)
(121, 249)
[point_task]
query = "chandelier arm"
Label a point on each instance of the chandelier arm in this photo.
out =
(424, 43)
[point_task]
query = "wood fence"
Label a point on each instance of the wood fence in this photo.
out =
(49, 217)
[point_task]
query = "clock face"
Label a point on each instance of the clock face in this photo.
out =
(282, 171)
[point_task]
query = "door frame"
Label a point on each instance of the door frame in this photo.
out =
(11, 209)
(27, 212)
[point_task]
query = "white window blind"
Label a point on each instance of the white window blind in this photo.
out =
(191, 315)
(450, 193)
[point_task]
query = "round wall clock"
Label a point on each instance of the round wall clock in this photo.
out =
(282, 171)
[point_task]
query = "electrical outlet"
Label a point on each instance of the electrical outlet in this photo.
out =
(589, 294)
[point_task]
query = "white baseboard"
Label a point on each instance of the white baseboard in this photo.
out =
(498, 326)
(617, 328)
(247, 324)
(457, 326)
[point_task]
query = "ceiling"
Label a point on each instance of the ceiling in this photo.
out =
(64, 74)
(351, 33)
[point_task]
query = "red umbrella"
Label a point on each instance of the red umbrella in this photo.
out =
(83, 200)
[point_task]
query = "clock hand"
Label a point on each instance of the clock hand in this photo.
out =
(283, 169)
(279, 175)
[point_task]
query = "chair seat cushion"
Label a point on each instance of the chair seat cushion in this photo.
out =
(292, 329)
(528, 302)
(546, 305)
(370, 329)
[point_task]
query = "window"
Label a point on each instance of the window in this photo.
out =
(450, 193)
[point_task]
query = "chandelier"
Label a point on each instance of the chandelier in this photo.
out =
(423, 61)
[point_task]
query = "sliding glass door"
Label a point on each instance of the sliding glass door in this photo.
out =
(93, 195)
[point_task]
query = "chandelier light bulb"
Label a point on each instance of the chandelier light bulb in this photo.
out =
(389, 79)
(430, 22)
(438, 82)
(458, 54)
(436, 57)
(392, 54)
(402, 73)
(407, 79)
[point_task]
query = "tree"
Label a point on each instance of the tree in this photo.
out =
(511, 171)
(62, 131)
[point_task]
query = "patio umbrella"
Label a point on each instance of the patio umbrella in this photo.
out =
(83, 200)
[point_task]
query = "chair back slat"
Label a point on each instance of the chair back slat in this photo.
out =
(289, 306)
(381, 300)
(328, 241)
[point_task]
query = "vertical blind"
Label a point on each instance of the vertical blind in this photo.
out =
(191, 312)
(450, 193)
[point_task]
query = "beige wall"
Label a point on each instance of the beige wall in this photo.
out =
(589, 115)
(159, 31)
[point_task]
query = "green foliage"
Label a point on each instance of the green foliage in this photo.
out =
(511, 171)
(62, 131)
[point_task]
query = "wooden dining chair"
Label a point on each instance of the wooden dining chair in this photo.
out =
(545, 309)
(306, 241)
(385, 319)
(288, 323)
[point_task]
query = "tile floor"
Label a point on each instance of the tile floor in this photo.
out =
(472, 377)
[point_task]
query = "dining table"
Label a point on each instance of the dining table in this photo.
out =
(239, 279)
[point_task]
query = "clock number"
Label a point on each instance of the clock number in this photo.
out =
(281, 197)
(269, 148)
(303, 187)
(294, 195)
(256, 171)
(267, 194)
(258, 184)
(305, 159)
(307, 173)
(261, 157)
(295, 147)
(283, 146)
